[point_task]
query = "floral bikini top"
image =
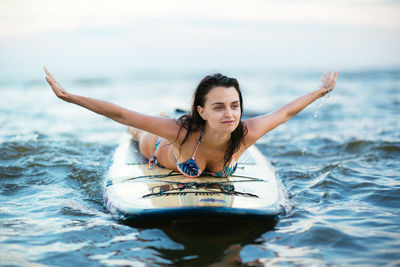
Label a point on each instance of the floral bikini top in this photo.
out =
(190, 168)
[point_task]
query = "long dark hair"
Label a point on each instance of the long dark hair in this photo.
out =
(193, 122)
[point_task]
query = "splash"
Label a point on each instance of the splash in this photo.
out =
(316, 113)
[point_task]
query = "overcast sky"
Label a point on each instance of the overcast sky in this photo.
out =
(99, 37)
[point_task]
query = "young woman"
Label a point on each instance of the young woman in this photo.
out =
(211, 138)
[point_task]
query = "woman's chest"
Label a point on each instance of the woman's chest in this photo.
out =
(213, 161)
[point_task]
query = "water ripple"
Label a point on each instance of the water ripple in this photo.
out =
(340, 168)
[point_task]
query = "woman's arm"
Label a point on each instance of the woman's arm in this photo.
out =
(164, 127)
(260, 125)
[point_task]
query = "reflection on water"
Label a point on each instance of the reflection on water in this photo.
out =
(212, 243)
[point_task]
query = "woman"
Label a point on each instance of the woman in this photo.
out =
(211, 138)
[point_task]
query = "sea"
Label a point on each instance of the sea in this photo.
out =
(339, 162)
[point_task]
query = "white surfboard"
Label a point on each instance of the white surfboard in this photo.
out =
(136, 192)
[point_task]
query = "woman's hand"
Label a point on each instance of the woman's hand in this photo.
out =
(57, 88)
(328, 82)
(260, 125)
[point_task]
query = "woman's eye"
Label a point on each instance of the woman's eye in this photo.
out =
(219, 107)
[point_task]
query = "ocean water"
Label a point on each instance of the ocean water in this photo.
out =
(339, 161)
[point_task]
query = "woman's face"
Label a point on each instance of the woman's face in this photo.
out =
(221, 109)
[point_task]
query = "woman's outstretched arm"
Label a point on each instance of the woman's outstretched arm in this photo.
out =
(164, 127)
(260, 125)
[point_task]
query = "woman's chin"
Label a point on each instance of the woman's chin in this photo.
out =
(229, 127)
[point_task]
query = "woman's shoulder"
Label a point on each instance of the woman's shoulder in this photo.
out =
(187, 129)
(252, 130)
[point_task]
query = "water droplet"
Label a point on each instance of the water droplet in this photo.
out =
(316, 113)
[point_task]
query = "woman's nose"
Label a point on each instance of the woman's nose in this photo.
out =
(228, 112)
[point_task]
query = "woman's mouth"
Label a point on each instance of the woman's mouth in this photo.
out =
(228, 122)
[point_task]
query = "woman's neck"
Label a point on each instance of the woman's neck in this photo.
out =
(216, 139)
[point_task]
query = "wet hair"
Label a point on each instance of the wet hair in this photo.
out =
(193, 122)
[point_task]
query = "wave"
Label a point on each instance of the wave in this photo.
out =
(40, 161)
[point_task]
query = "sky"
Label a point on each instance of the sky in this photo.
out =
(95, 37)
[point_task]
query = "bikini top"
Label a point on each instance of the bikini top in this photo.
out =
(190, 168)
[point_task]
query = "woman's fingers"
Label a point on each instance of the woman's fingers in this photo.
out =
(333, 80)
(57, 88)
(48, 73)
(48, 80)
(330, 77)
(329, 80)
(51, 81)
(336, 75)
(49, 77)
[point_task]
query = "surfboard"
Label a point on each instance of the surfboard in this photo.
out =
(136, 192)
